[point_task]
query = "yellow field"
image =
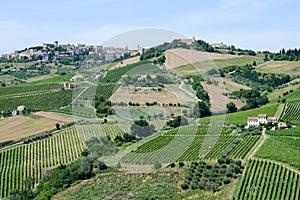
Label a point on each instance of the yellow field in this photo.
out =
(179, 57)
(18, 127)
(285, 67)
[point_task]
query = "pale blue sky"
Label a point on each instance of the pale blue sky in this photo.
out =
(255, 24)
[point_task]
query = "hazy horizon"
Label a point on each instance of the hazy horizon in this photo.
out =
(250, 24)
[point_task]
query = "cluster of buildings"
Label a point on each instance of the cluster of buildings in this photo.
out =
(57, 50)
(260, 119)
(220, 45)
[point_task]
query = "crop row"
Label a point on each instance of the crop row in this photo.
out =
(188, 143)
(291, 111)
(268, 180)
(244, 147)
(35, 159)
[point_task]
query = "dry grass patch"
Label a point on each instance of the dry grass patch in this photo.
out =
(281, 67)
(18, 127)
(179, 57)
(217, 98)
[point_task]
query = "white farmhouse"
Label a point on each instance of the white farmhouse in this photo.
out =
(252, 121)
(260, 119)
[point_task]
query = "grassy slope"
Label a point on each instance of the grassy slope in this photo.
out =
(295, 96)
(274, 96)
(115, 74)
(53, 78)
(241, 117)
(156, 185)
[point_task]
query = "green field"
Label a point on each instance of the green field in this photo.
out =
(115, 75)
(50, 79)
(294, 132)
(267, 180)
(282, 149)
(294, 96)
(240, 117)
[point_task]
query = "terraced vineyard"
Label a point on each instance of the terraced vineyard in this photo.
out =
(14, 90)
(34, 159)
(268, 180)
(291, 111)
(40, 101)
(243, 148)
(185, 143)
(88, 131)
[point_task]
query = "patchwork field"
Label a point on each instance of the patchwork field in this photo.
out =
(18, 127)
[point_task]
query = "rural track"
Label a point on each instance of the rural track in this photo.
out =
(265, 137)
(252, 154)
(188, 92)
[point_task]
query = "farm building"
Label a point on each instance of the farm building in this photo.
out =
(77, 78)
(69, 86)
(260, 119)
(21, 108)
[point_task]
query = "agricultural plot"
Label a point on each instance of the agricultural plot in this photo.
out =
(33, 160)
(17, 90)
(280, 67)
(18, 127)
(101, 90)
(40, 101)
(293, 132)
(291, 112)
(281, 148)
(86, 132)
(115, 75)
(267, 180)
(36, 158)
(129, 114)
(183, 144)
(244, 147)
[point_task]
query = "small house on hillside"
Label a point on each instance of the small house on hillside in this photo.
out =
(260, 119)
(21, 108)
(68, 86)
